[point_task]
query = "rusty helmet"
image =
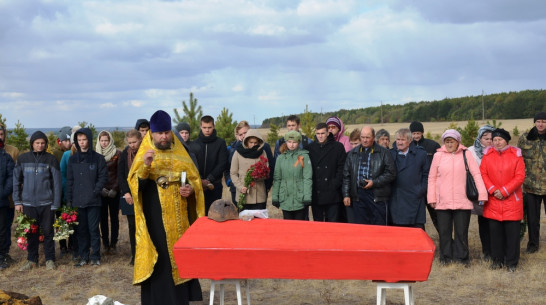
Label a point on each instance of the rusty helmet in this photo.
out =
(222, 210)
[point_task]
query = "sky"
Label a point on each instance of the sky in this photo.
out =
(110, 63)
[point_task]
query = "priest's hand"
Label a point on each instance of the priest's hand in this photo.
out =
(149, 157)
(185, 191)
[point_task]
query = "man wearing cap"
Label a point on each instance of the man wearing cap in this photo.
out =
(63, 142)
(430, 148)
(161, 214)
(533, 149)
(368, 173)
(184, 132)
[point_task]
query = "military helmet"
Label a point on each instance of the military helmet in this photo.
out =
(222, 210)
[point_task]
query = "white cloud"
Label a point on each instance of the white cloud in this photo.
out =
(238, 88)
(108, 28)
(107, 106)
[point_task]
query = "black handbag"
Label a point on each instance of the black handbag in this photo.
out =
(471, 189)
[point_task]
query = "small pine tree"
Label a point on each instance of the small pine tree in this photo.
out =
(225, 126)
(18, 137)
(495, 124)
(273, 134)
(469, 133)
(2, 120)
(52, 142)
(192, 116)
(119, 138)
(307, 123)
(515, 131)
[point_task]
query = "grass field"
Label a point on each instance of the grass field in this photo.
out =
(454, 284)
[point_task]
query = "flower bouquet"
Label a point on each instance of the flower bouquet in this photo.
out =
(257, 171)
(25, 225)
(64, 223)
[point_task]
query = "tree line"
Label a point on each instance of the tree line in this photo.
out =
(506, 105)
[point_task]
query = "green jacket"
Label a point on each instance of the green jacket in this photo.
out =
(533, 150)
(293, 180)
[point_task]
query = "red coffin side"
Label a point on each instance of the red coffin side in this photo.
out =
(273, 248)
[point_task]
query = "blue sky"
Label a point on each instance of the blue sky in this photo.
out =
(112, 62)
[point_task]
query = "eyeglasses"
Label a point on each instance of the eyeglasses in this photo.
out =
(332, 126)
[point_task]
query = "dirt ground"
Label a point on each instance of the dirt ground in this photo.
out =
(453, 284)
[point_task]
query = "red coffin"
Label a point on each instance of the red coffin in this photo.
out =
(289, 249)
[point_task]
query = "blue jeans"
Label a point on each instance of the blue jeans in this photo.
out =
(88, 232)
(367, 211)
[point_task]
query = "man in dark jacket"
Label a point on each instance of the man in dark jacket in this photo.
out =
(327, 158)
(6, 188)
(37, 191)
(86, 176)
(408, 198)
(430, 148)
(367, 176)
(212, 155)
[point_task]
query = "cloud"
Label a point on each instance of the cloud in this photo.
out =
(107, 106)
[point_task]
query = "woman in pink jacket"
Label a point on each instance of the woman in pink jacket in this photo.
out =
(503, 172)
(447, 194)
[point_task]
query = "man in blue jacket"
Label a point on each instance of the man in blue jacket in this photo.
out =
(85, 177)
(37, 191)
(409, 190)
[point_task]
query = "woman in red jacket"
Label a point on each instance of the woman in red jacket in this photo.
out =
(503, 172)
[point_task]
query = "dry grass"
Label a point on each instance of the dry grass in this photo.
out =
(453, 284)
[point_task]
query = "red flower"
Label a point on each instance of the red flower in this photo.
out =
(33, 228)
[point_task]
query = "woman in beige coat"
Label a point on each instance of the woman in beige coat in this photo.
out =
(244, 157)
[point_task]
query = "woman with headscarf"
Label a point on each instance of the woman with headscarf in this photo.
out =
(483, 141)
(110, 192)
(447, 195)
(336, 127)
(246, 155)
(503, 172)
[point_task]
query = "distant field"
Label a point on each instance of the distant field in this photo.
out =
(435, 128)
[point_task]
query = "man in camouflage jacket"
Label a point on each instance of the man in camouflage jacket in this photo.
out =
(533, 149)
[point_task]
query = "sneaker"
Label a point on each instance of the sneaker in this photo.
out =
(50, 265)
(8, 259)
(495, 266)
(532, 249)
(95, 262)
(28, 265)
(511, 268)
(81, 263)
(3, 264)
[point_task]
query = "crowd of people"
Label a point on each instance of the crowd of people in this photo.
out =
(163, 177)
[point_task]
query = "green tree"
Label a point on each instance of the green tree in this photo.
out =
(495, 124)
(192, 116)
(225, 126)
(119, 138)
(18, 137)
(469, 133)
(52, 142)
(2, 120)
(515, 131)
(307, 123)
(273, 134)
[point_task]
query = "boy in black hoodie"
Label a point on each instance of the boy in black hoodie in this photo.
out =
(37, 191)
(86, 176)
